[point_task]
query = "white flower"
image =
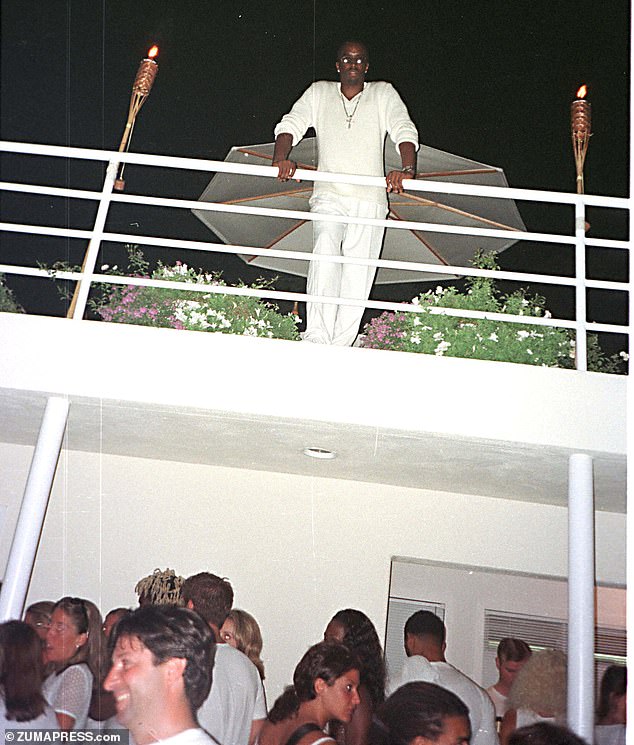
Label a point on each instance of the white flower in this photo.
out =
(442, 348)
(438, 336)
(494, 337)
(521, 335)
(415, 301)
(105, 267)
(547, 314)
(624, 356)
(524, 302)
(416, 321)
(529, 351)
(439, 290)
(415, 339)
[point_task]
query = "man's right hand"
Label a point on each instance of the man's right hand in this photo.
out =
(285, 169)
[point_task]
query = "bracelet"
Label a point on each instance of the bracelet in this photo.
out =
(408, 169)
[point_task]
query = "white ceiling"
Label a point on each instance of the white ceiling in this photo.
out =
(500, 469)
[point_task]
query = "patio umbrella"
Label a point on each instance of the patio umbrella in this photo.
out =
(403, 245)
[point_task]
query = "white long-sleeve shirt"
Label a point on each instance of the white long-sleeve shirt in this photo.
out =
(377, 111)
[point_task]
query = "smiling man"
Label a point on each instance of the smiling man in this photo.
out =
(351, 119)
(162, 661)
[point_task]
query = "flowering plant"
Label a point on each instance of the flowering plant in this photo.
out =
(194, 311)
(450, 336)
(8, 303)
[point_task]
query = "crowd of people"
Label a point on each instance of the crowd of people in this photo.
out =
(186, 666)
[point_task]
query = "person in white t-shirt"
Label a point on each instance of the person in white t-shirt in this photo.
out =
(511, 657)
(425, 647)
(235, 710)
(161, 671)
(351, 120)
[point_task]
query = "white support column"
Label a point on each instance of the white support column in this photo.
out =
(33, 510)
(581, 596)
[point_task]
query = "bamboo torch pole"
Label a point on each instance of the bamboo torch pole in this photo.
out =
(143, 82)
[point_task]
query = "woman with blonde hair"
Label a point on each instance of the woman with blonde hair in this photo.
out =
(538, 693)
(241, 631)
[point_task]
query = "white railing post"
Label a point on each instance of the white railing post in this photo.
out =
(33, 510)
(80, 296)
(581, 340)
(581, 596)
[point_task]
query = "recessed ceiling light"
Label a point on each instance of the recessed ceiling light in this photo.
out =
(320, 453)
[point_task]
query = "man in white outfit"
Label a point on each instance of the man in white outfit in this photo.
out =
(425, 648)
(351, 120)
(235, 709)
(161, 672)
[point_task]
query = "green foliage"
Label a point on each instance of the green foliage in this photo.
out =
(8, 303)
(449, 336)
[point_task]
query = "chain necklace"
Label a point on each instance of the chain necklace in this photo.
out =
(354, 111)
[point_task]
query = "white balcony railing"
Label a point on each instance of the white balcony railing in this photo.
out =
(97, 234)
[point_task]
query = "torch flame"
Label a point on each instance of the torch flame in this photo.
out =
(153, 51)
(581, 93)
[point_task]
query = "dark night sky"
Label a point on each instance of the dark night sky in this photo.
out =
(487, 79)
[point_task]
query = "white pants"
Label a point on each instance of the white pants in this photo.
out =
(339, 324)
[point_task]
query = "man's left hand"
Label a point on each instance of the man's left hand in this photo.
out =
(394, 181)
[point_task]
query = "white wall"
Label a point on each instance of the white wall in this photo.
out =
(296, 549)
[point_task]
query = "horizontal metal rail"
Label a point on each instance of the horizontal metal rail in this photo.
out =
(204, 246)
(106, 196)
(221, 166)
(191, 204)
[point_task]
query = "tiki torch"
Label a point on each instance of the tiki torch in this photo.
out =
(581, 127)
(143, 82)
(141, 88)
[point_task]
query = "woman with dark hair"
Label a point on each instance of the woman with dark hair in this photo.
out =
(421, 710)
(545, 733)
(22, 704)
(611, 710)
(325, 688)
(75, 654)
(38, 617)
(354, 629)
